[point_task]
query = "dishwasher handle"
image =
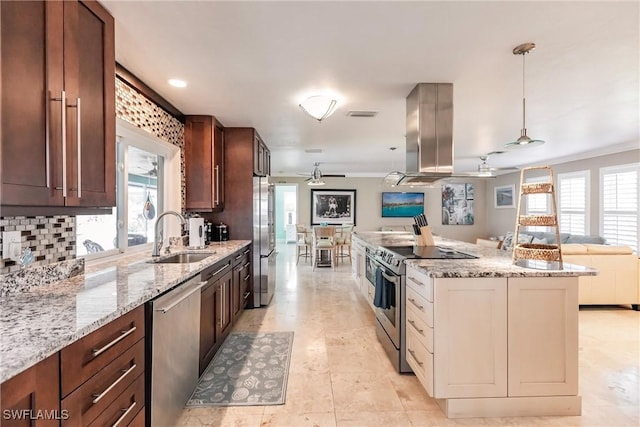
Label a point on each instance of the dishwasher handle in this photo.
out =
(186, 293)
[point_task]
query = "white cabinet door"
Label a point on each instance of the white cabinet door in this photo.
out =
(470, 337)
(543, 336)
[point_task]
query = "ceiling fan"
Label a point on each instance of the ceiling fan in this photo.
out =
(317, 175)
(485, 170)
(150, 172)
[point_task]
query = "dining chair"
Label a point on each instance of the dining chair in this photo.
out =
(324, 239)
(343, 241)
(303, 242)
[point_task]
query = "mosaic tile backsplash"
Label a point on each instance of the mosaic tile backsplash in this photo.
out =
(53, 238)
(148, 116)
(50, 238)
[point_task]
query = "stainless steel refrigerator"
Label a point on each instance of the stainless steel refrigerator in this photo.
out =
(264, 253)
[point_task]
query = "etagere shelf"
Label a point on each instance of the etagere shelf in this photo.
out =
(549, 252)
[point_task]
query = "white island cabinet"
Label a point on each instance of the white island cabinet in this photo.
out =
(494, 346)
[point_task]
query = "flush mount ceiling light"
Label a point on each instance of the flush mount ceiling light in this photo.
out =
(524, 140)
(319, 106)
(177, 83)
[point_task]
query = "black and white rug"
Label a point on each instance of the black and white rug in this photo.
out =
(249, 369)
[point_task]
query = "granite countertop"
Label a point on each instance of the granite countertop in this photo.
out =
(490, 262)
(38, 322)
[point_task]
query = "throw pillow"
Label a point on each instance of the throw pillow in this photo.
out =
(542, 241)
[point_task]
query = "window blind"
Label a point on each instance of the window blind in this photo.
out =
(619, 205)
(537, 204)
(572, 202)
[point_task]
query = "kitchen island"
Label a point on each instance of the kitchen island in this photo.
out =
(488, 338)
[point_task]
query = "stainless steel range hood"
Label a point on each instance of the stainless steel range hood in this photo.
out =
(429, 137)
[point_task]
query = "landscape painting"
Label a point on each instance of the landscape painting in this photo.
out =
(402, 205)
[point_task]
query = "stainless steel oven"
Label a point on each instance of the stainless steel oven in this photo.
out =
(369, 268)
(390, 321)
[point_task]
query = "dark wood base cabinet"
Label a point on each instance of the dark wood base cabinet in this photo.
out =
(240, 287)
(96, 381)
(31, 393)
(222, 300)
(215, 318)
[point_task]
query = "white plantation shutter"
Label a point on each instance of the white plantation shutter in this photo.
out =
(537, 204)
(619, 199)
(572, 202)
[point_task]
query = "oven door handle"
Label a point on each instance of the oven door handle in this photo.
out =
(389, 278)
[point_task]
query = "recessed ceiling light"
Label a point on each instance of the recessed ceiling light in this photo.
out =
(177, 83)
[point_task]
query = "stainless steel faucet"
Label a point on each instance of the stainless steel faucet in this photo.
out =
(157, 242)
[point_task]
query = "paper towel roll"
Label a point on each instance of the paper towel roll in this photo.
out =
(196, 232)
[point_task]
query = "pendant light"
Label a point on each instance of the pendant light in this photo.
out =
(524, 140)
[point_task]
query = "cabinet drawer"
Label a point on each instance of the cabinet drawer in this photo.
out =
(138, 421)
(216, 271)
(125, 408)
(82, 359)
(421, 283)
(241, 257)
(421, 305)
(95, 396)
(420, 360)
(423, 331)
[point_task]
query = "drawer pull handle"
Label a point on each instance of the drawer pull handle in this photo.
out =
(125, 413)
(413, 301)
(414, 357)
(415, 281)
(239, 256)
(412, 323)
(246, 295)
(246, 277)
(246, 252)
(125, 372)
(217, 271)
(246, 265)
(99, 351)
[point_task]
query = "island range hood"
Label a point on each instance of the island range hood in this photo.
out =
(429, 136)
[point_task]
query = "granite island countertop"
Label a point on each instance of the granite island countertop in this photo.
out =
(490, 262)
(36, 323)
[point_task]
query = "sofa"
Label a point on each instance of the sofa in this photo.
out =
(618, 268)
(618, 279)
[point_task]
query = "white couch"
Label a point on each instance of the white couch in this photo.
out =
(618, 268)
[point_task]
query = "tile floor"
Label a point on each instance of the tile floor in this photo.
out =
(339, 375)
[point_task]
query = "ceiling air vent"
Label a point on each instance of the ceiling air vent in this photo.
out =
(354, 113)
(313, 150)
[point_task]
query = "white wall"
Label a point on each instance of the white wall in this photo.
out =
(501, 221)
(369, 205)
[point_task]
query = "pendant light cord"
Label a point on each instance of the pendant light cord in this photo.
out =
(524, 129)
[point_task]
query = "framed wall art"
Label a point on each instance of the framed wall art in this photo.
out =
(504, 196)
(402, 205)
(333, 207)
(457, 204)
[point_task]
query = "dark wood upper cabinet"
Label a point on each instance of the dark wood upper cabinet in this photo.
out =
(55, 154)
(261, 157)
(204, 163)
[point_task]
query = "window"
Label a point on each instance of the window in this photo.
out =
(619, 205)
(537, 204)
(143, 167)
(573, 190)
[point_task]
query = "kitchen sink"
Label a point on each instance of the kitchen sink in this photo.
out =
(184, 258)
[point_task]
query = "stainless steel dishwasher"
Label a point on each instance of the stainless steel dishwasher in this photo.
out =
(174, 351)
